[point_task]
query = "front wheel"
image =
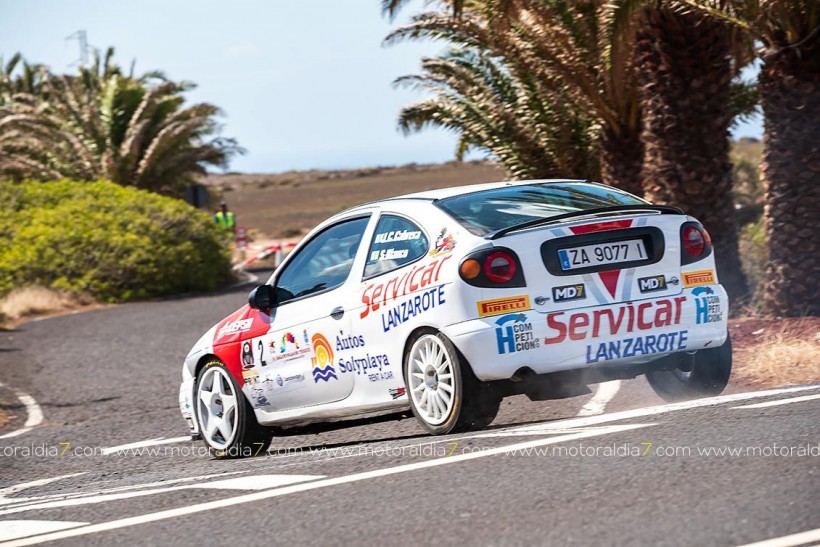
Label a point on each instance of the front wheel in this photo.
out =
(226, 420)
(445, 395)
(702, 374)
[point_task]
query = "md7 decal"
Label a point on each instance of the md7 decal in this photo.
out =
(609, 322)
(377, 295)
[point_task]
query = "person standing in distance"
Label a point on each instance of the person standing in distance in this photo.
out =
(226, 219)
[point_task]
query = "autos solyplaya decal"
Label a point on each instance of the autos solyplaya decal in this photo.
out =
(322, 360)
(360, 361)
(498, 306)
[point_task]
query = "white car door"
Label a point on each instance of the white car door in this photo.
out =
(293, 364)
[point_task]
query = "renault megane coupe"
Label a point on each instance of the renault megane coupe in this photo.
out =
(447, 301)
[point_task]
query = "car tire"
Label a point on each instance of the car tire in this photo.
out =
(702, 374)
(445, 396)
(225, 417)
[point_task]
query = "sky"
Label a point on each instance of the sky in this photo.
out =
(302, 84)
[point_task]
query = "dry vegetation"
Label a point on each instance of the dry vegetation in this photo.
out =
(28, 302)
(285, 205)
(776, 352)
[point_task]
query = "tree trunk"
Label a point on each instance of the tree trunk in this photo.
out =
(685, 71)
(622, 159)
(790, 94)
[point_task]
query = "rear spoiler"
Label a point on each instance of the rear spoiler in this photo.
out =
(603, 211)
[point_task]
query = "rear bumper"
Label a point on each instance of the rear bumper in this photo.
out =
(604, 336)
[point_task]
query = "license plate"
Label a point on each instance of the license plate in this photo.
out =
(601, 254)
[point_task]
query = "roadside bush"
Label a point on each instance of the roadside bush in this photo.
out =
(116, 243)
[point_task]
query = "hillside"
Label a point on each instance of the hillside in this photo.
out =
(287, 204)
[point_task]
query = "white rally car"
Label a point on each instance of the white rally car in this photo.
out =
(449, 300)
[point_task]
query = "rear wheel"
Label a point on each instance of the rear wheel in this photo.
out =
(704, 373)
(226, 420)
(445, 395)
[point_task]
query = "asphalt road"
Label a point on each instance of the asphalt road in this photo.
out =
(641, 473)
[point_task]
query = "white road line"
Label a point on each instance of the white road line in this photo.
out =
(257, 482)
(9, 490)
(793, 540)
(143, 444)
(780, 402)
(304, 487)
(247, 484)
(16, 529)
(35, 413)
(573, 423)
(34, 500)
(603, 394)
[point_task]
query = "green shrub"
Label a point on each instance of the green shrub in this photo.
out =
(116, 243)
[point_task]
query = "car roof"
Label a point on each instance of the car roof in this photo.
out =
(442, 193)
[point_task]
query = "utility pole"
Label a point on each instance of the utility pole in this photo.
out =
(82, 38)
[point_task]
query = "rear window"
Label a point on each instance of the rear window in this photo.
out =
(490, 210)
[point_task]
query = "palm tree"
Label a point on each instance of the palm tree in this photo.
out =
(788, 35)
(684, 63)
(30, 80)
(558, 47)
(102, 124)
(513, 119)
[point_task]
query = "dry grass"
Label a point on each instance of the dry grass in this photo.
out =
(286, 205)
(779, 352)
(28, 302)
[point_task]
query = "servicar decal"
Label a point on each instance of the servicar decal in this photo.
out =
(377, 295)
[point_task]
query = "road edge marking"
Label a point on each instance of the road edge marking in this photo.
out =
(33, 411)
(792, 540)
(277, 492)
(780, 402)
(604, 393)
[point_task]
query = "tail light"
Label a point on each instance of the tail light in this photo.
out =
(693, 241)
(497, 267)
(696, 243)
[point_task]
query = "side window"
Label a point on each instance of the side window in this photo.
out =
(324, 263)
(397, 242)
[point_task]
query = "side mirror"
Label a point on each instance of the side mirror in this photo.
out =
(262, 298)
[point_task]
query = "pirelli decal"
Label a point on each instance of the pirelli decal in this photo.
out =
(503, 305)
(696, 279)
